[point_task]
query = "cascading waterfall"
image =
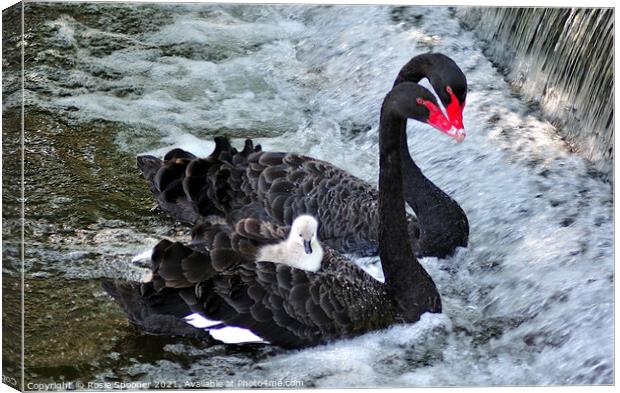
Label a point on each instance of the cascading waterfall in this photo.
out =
(561, 58)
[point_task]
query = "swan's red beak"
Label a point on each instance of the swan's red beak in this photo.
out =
(436, 118)
(455, 110)
(457, 134)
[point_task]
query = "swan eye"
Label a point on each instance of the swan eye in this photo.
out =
(449, 89)
(419, 101)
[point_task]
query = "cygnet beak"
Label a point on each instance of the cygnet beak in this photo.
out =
(307, 247)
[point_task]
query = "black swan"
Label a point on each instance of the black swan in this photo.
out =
(217, 275)
(277, 187)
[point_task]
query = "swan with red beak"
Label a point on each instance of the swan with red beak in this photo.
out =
(450, 85)
(437, 119)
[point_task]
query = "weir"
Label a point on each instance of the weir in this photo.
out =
(561, 58)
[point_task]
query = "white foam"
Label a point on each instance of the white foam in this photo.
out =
(187, 142)
(143, 256)
(231, 33)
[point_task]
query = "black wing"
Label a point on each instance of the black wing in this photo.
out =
(218, 277)
(286, 306)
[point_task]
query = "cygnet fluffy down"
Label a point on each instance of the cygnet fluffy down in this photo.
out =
(301, 249)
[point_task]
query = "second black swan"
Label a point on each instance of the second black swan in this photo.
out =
(277, 186)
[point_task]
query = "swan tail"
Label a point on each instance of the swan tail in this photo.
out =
(217, 184)
(165, 182)
(149, 165)
(156, 312)
(189, 188)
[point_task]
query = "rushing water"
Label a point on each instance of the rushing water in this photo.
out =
(530, 301)
(562, 59)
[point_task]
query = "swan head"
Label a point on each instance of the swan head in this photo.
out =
(414, 101)
(304, 232)
(451, 87)
(448, 81)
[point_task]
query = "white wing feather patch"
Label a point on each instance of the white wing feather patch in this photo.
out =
(227, 334)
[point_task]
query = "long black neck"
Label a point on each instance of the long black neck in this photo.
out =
(440, 70)
(416, 69)
(443, 225)
(410, 286)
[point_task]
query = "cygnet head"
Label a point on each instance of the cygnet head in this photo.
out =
(304, 231)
